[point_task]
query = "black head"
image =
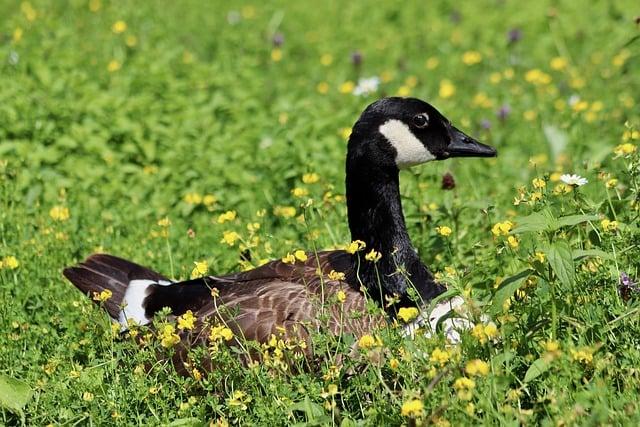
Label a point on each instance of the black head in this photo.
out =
(407, 132)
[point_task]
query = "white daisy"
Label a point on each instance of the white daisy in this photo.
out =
(573, 179)
(366, 86)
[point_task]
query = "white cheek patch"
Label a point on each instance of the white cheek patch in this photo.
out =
(410, 150)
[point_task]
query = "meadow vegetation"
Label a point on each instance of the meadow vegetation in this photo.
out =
(207, 137)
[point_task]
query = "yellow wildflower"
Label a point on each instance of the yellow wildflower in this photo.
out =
(477, 367)
(347, 87)
(276, 55)
(193, 198)
(310, 178)
(412, 408)
(59, 213)
(341, 296)
(87, 396)
(300, 255)
(345, 133)
(284, 211)
(114, 65)
(187, 320)
(373, 256)
(443, 231)
(513, 241)
(440, 357)
(502, 228)
(471, 57)
(355, 246)
(168, 336)
(394, 363)
(322, 88)
(219, 333)
(200, 269)
(17, 34)
(407, 314)
(289, 258)
(447, 89)
(612, 183)
(539, 183)
(558, 63)
(491, 330)
(368, 341)
(164, 222)
(582, 355)
(608, 225)
(10, 262)
(230, 237)
(334, 275)
(239, 399)
(625, 149)
(300, 192)
(119, 27)
(464, 387)
(432, 63)
(539, 256)
(103, 296)
(227, 216)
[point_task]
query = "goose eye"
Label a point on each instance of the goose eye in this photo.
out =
(421, 120)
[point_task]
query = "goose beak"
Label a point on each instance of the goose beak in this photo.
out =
(462, 145)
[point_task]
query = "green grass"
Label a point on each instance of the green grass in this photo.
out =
(121, 128)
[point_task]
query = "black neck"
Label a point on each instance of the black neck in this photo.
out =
(376, 217)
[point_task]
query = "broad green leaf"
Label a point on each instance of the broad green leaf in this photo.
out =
(537, 368)
(561, 261)
(14, 394)
(311, 409)
(584, 253)
(186, 422)
(507, 288)
(575, 219)
(537, 221)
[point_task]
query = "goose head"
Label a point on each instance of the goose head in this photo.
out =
(404, 132)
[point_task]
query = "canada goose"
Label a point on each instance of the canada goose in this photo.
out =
(391, 134)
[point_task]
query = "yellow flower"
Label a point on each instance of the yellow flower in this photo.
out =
(539, 256)
(119, 27)
(310, 178)
(276, 55)
(477, 367)
(530, 115)
(103, 296)
(168, 336)
(491, 330)
(300, 255)
(335, 275)
(552, 346)
(447, 89)
(59, 213)
(114, 65)
(583, 355)
(471, 57)
(412, 408)
(341, 296)
(164, 222)
(326, 59)
(289, 258)
(513, 241)
(239, 399)
(200, 269)
(195, 373)
(17, 35)
(345, 133)
(407, 314)
(227, 216)
(193, 198)
(355, 246)
(131, 40)
(368, 341)
(612, 183)
(502, 228)
(404, 90)
(284, 211)
(625, 149)
(558, 63)
(464, 387)
(10, 262)
(87, 397)
(608, 225)
(373, 256)
(300, 192)
(443, 231)
(539, 183)
(219, 333)
(187, 320)
(347, 87)
(440, 357)
(230, 237)
(394, 363)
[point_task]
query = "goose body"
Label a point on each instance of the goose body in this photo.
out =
(295, 299)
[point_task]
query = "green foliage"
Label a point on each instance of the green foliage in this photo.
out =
(116, 115)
